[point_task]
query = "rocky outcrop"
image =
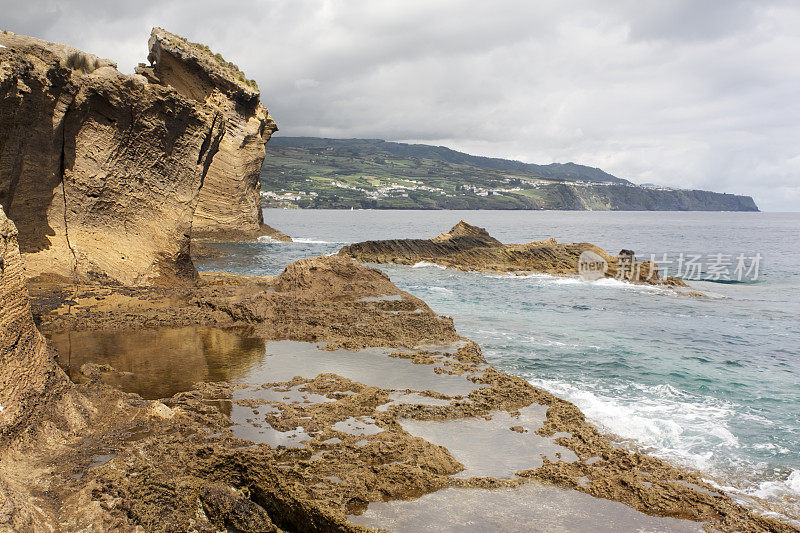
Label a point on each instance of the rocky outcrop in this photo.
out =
(333, 278)
(100, 170)
(195, 468)
(229, 204)
(107, 174)
(463, 230)
(274, 234)
(467, 247)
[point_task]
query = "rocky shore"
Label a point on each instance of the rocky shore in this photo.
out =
(344, 412)
(468, 247)
(303, 402)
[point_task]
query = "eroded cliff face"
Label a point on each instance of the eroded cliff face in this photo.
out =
(29, 377)
(229, 205)
(100, 170)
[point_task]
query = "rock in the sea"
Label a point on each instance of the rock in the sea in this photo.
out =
(333, 277)
(271, 233)
(467, 247)
(229, 206)
(464, 230)
(100, 170)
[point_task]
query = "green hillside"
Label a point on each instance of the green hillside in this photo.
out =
(310, 172)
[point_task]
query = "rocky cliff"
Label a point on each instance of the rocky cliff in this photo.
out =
(229, 205)
(100, 170)
(107, 175)
(29, 376)
(616, 197)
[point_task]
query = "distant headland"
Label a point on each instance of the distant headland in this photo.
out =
(313, 172)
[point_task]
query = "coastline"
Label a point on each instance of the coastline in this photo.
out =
(141, 394)
(321, 300)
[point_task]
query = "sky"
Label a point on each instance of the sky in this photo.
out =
(696, 94)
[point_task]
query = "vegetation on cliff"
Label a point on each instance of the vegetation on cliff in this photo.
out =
(233, 67)
(310, 172)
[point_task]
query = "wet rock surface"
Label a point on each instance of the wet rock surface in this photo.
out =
(325, 438)
(222, 402)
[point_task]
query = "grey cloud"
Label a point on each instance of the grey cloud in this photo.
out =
(693, 94)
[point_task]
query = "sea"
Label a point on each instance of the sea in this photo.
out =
(709, 383)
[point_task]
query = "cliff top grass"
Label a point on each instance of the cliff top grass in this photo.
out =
(221, 61)
(203, 53)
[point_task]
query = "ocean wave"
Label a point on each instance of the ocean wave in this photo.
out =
(690, 430)
(619, 284)
(440, 290)
(671, 423)
(304, 240)
(423, 264)
(782, 496)
(769, 490)
(543, 279)
(267, 238)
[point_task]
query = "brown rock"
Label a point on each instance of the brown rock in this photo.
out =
(227, 508)
(100, 170)
(462, 229)
(229, 205)
(467, 247)
(29, 379)
(332, 278)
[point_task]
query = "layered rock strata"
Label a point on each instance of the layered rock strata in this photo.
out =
(39, 406)
(29, 376)
(108, 175)
(229, 206)
(100, 170)
(467, 247)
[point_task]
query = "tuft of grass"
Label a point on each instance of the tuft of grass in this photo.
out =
(233, 68)
(80, 61)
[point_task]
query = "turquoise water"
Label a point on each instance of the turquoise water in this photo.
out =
(710, 383)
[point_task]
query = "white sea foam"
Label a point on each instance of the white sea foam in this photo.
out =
(423, 264)
(544, 279)
(304, 240)
(782, 496)
(267, 238)
(680, 427)
(440, 290)
(777, 489)
(662, 419)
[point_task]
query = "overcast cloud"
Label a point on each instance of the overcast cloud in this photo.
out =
(702, 94)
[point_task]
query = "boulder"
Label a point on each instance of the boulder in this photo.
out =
(463, 229)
